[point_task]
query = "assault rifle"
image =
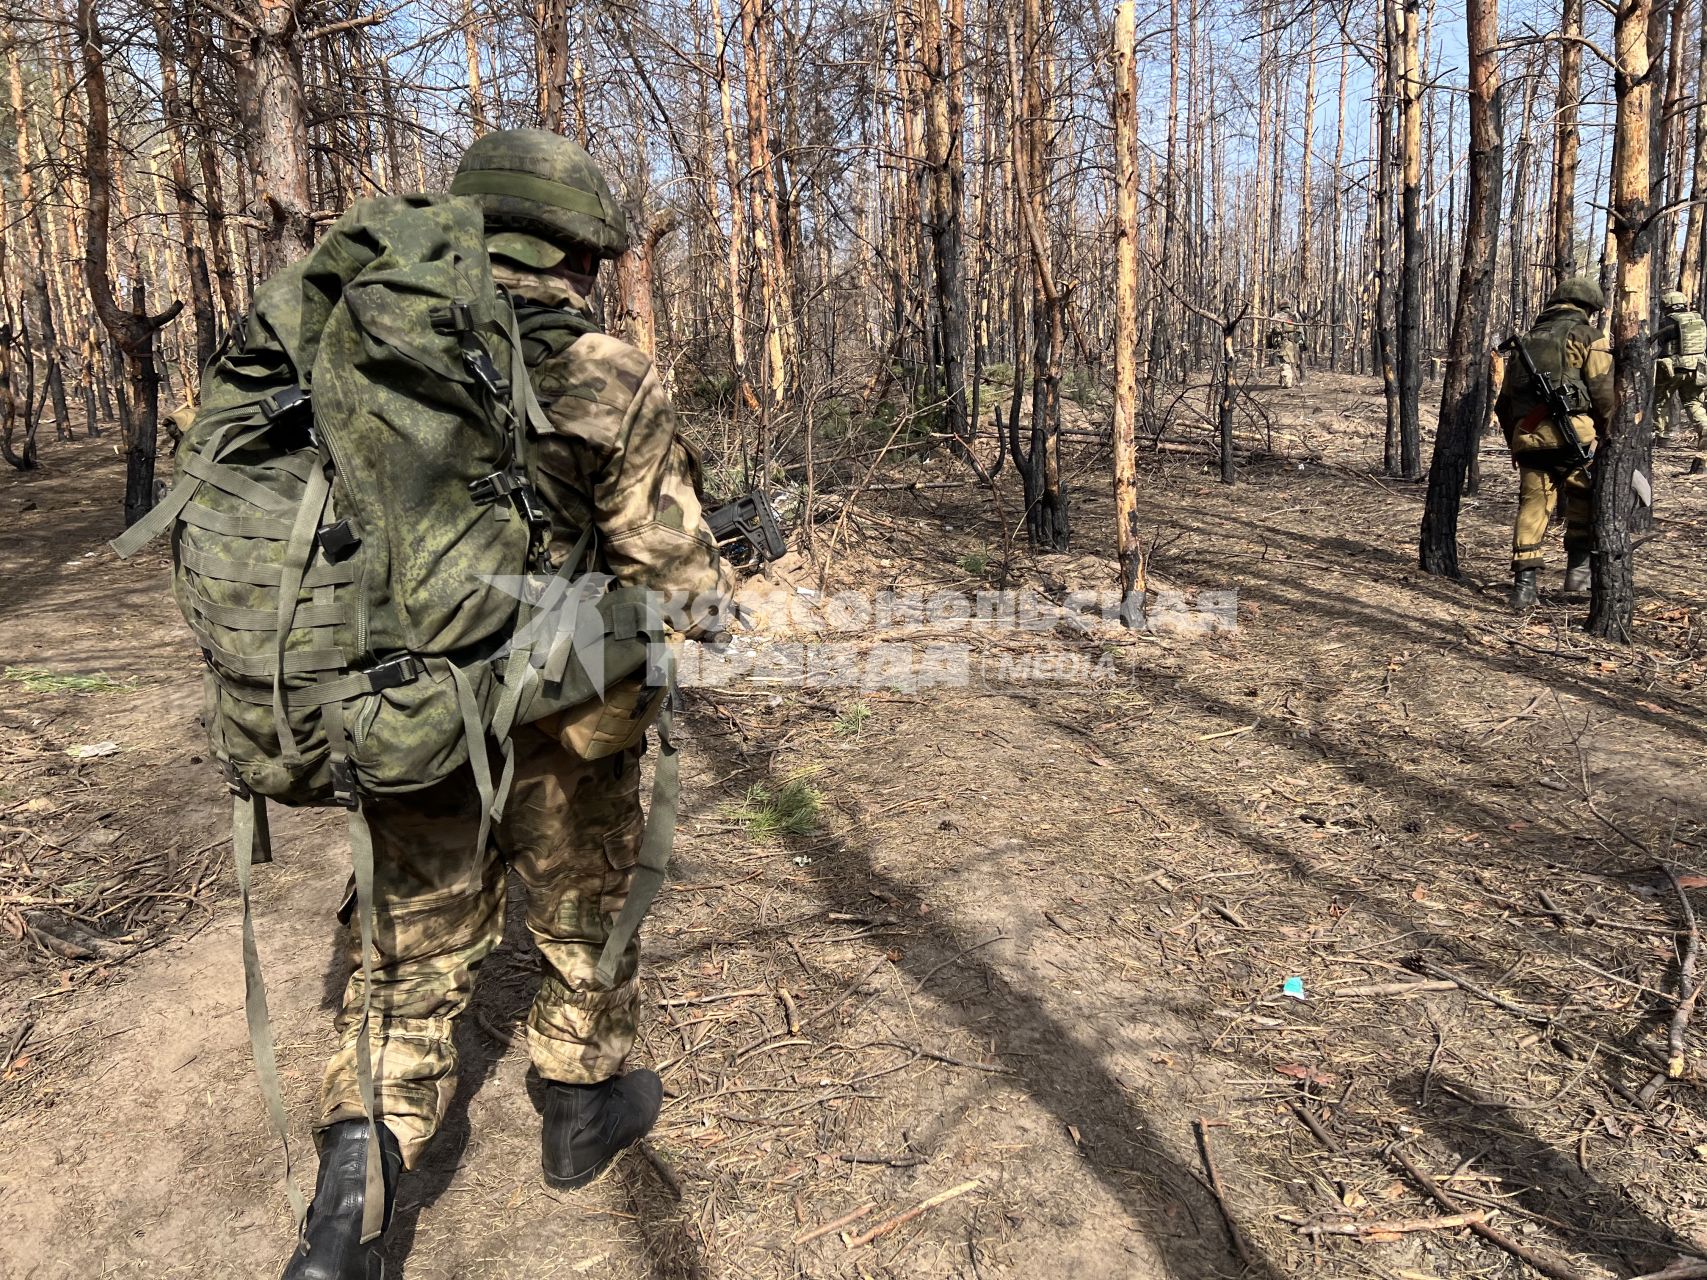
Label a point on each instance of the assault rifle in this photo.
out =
(1552, 397)
(747, 530)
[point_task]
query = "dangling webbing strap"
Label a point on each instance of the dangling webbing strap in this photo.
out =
(660, 838)
(248, 816)
(361, 862)
(184, 488)
(361, 868)
(474, 730)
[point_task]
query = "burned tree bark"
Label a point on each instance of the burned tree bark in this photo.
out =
(1046, 500)
(275, 112)
(636, 318)
(1411, 255)
(1125, 110)
(1464, 394)
(132, 330)
(1612, 607)
(1566, 140)
(944, 118)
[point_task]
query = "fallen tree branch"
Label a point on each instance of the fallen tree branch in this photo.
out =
(1688, 991)
(1546, 1264)
(901, 1219)
(1237, 1236)
(1402, 1226)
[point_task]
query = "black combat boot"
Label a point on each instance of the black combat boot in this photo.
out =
(588, 1125)
(1578, 576)
(331, 1247)
(1522, 590)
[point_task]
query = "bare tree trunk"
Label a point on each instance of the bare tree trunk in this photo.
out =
(1336, 251)
(47, 333)
(1695, 237)
(1386, 308)
(132, 330)
(944, 124)
(471, 47)
(636, 319)
(1464, 392)
(1411, 260)
(218, 231)
(195, 258)
(1613, 606)
(554, 62)
(766, 221)
(1046, 503)
(1125, 109)
(275, 112)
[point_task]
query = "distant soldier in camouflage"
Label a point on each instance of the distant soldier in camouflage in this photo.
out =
(1682, 366)
(1285, 344)
(614, 463)
(1565, 345)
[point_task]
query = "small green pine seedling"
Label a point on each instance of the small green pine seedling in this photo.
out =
(851, 721)
(37, 680)
(790, 809)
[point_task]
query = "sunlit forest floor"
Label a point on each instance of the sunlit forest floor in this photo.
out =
(1037, 937)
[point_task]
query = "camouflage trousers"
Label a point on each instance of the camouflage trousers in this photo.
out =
(571, 831)
(1688, 392)
(1538, 493)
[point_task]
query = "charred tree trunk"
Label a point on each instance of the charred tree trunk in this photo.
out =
(1125, 109)
(275, 112)
(47, 330)
(1695, 236)
(944, 120)
(1046, 501)
(195, 258)
(133, 331)
(1566, 140)
(1613, 606)
(1464, 393)
(1411, 257)
(636, 319)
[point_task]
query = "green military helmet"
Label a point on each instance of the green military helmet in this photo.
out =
(1579, 291)
(1673, 300)
(534, 185)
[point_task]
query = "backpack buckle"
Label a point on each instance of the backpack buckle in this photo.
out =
(479, 362)
(508, 486)
(458, 317)
(489, 490)
(338, 542)
(282, 405)
(399, 671)
(344, 784)
(233, 782)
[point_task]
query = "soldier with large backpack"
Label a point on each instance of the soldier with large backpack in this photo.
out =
(433, 531)
(1681, 369)
(1573, 355)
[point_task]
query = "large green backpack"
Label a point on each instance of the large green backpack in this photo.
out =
(361, 557)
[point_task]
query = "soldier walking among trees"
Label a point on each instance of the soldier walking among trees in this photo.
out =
(613, 464)
(373, 389)
(1681, 369)
(1285, 344)
(1574, 355)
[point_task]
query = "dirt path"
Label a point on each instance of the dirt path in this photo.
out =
(1036, 935)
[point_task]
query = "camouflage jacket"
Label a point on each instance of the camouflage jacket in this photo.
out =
(618, 462)
(1565, 345)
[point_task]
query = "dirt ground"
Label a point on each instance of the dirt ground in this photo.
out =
(1034, 952)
